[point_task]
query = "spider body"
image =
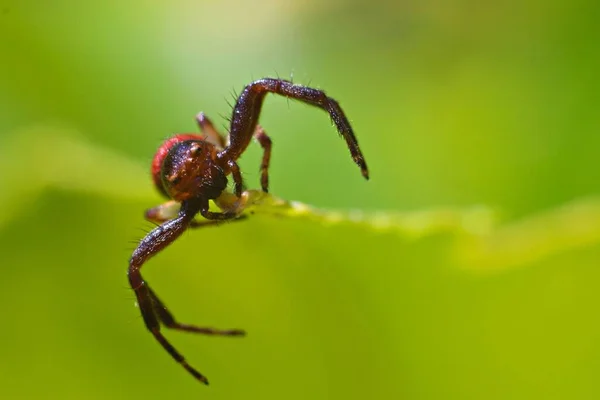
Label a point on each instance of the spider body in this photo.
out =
(193, 169)
(161, 153)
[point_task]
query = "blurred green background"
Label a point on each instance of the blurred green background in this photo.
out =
(455, 103)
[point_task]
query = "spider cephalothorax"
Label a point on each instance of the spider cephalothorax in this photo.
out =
(190, 169)
(193, 169)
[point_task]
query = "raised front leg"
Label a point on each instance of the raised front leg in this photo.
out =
(247, 111)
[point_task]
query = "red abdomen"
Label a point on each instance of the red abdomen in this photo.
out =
(161, 153)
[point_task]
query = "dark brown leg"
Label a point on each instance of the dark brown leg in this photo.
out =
(212, 134)
(237, 177)
(247, 110)
(155, 241)
(265, 142)
(152, 309)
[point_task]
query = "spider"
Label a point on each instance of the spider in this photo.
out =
(192, 169)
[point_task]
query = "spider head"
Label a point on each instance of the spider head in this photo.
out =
(189, 170)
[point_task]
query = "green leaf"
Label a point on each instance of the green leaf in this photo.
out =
(433, 295)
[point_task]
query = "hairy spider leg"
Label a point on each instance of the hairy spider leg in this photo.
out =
(247, 110)
(152, 309)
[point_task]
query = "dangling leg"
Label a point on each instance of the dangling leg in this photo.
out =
(151, 308)
(156, 240)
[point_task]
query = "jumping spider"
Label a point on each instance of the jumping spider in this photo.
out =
(192, 169)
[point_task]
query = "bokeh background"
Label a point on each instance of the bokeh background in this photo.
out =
(456, 104)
